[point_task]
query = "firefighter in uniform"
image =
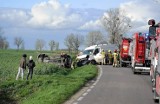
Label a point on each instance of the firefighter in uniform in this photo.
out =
(103, 57)
(110, 57)
(115, 58)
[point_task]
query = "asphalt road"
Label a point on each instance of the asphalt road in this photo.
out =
(118, 86)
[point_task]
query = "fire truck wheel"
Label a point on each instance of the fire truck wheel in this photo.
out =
(134, 71)
(155, 96)
(121, 63)
(153, 83)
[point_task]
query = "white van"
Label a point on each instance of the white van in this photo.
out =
(88, 51)
(97, 56)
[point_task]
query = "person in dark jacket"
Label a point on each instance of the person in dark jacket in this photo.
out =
(31, 65)
(67, 61)
(22, 66)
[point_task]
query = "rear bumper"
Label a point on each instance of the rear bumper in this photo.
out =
(142, 69)
(129, 62)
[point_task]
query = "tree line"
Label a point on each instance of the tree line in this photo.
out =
(72, 42)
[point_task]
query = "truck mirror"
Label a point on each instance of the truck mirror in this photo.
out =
(152, 31)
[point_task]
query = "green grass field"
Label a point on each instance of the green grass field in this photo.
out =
(50, 84)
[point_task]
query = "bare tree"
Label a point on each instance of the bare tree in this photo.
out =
(57, 46)
(68, 42)
(18, 42)
(116, 24)
(3, 42)
(40, 44)
(73, 42)
(94, 37)
(51, 45)
(77, 42)
(22, 46)
(6, 45)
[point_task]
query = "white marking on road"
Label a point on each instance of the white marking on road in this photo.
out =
(80, 98)
(92, 87)
(84, 94)
(88, 90)
(94, 83)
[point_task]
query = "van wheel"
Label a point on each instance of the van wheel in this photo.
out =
(93, 62)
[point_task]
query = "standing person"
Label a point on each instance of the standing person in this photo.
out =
(67, 61)
(31, 65)
(22, 66)
(103, 57)
(115, 58)
(110, 57)
(107, 58)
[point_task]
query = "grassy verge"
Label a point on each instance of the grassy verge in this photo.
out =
(44, 88)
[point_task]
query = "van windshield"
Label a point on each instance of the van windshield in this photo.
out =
(87, 52)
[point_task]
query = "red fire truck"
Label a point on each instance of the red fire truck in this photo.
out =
(156, 90)
(140, 63)
(153, 47)
(154, 32)
(125, 58)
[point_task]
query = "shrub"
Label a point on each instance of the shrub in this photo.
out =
(48, 69)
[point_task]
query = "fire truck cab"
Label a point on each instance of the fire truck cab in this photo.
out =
(125, 58)
(140, 63)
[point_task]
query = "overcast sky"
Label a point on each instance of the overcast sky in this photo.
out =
(55, 19)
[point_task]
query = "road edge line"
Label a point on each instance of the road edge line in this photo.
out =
(85, 90)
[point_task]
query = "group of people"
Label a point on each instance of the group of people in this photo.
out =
(111, 58)
(23, 65)
(66, 61)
